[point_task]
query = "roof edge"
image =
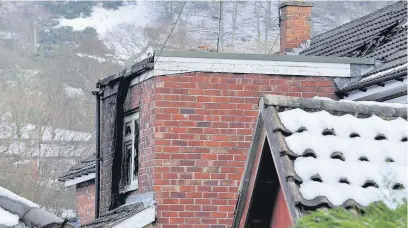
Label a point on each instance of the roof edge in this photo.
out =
(77, 173)
(134, 70)
(364, 84)
(31, 216)
(295, 3)
(80, 179)
(343, 106)
(265, 57)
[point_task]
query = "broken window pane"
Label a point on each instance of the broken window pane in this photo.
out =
(136, 151)
(128, 129)
(125, 164)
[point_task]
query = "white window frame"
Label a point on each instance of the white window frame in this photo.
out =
(134, 181)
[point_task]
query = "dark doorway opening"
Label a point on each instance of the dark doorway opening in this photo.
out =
(265, 192)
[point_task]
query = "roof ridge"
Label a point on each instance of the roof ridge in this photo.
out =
(352, 21)
(343, 106)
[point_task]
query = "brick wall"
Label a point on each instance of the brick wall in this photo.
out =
(107, 124)
(202, 129)
(195, 132)
(85, 201)
(142, 97)
(295, 24)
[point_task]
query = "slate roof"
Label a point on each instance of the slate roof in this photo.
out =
(18, 212)
(382, 35)
(85, 167)
(116, 216)
(335, 153)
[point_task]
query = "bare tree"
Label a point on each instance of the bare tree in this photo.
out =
(234, 23)
(258, 25)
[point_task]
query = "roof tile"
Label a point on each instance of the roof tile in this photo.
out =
(382, 35)
(85, 167)
(328, 170)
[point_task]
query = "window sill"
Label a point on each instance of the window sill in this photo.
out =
(131, 187)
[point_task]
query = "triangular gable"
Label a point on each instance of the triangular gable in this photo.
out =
(303, 135)
(261, 177)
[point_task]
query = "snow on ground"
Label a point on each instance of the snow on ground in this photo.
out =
(8, 219)
(13, 196)
(73, 92)
(30, 131)
(102, 20)
(68, 213)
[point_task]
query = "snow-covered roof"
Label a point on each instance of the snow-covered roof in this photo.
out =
(334, 153)
(16, 211)
(343, 153)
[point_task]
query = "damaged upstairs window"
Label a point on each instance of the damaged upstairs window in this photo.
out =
(130, 153)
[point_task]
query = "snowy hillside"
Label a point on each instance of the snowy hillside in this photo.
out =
(256, 23)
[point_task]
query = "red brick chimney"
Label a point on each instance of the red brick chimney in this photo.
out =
(295, 24)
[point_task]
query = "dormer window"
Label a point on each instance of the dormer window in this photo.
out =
(130, 153)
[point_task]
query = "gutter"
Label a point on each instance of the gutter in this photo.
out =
(98, 152)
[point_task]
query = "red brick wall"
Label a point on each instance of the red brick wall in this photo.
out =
(142, 97)
(202, 131)
(280, 216)
(85, 201)
(295, 26)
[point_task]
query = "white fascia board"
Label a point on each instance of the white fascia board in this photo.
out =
(177, 65)
(80, 179)
(376, 92)
(139, 220)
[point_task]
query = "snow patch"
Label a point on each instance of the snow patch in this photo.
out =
(343, 126)
(352, 149)
(31, 131)
(9, 35)
(102, 20)
(339, 193)
(73, 92)
(13, 196)
(68, 213)
(8, 219)
(370, 103)
(357, 172)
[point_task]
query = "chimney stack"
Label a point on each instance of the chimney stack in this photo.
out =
(295, 24)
